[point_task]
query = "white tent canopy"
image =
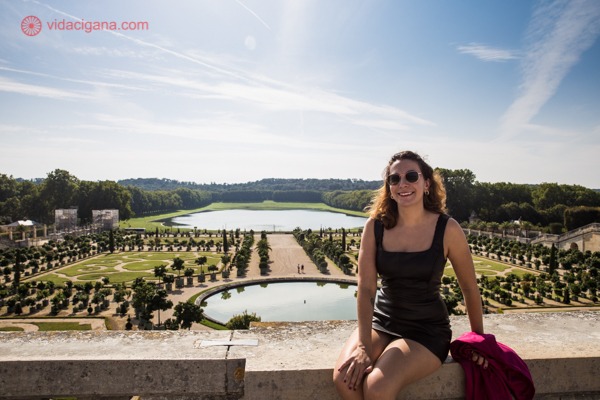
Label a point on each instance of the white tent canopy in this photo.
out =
(24, 223)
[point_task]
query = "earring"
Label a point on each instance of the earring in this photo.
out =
(426, 192)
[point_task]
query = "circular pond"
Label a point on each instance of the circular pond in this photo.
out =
(284, 301)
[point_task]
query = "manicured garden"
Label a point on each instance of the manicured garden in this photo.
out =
(126, 267)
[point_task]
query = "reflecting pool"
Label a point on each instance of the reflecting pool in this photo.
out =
(285, 301)
(267, 220)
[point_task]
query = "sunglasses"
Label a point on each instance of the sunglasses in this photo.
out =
(410, 177)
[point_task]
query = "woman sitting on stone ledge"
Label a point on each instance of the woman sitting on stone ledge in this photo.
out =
(404, 331)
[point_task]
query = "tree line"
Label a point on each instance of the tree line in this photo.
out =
(565, 206)
(546, 204)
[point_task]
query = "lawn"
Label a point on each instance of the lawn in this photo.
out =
(11, 329)
(126, 267)
(484, 266)
(62, 326)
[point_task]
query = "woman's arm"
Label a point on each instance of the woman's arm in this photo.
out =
(367, 285)
(360, 361)
(459, 254)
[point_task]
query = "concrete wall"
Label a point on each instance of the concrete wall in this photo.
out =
(275, 361)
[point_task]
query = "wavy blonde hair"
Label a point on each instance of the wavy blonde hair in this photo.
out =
(385, 209)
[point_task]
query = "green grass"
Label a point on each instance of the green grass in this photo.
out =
(62, 326)
(122, 277)
(134, 264)
(11, 329)
(57, 280)
(489, 268)
(78, 269)
(143, 265)
(153, 222)
(213, 325)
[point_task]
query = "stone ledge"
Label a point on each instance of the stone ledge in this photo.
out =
(291, 361)
(562, 351)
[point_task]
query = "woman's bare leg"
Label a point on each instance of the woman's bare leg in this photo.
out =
(402, 362)
(379, 341)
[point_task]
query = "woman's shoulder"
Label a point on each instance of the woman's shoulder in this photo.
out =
(453, 229)
(371, 223)
(452, 223)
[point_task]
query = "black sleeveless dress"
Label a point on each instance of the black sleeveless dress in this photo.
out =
(409, 304)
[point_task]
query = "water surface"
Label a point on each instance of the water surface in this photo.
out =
(285, 301)
(267, 220)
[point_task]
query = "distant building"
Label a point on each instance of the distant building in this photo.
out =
(106, 219)
(66, 218)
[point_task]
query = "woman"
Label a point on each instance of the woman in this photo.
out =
(404, 332)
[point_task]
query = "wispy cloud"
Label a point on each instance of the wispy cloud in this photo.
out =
(61, 78)
(224, 79)
(70, 140)
(559, 32)
(271, 95)
(9, 85)
(254, 14)
(487, 53)
(217, 130)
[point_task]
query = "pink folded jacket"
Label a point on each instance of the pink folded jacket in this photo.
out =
(507, 376)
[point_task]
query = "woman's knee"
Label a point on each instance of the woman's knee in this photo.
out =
(377, 386)
(338, 381)
(342, 388)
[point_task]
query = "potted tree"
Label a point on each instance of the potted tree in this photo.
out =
(189, 274)
(213, 272)
(168, 280)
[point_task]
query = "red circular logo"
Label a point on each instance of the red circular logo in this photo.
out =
(31, 25)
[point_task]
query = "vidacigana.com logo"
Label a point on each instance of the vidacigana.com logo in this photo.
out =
(31, 25)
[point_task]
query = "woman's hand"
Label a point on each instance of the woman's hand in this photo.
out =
(357, 366)
(479, 359)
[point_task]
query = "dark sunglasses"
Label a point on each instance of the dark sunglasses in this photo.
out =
(410, 177)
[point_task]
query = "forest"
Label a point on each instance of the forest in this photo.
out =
(552, 206)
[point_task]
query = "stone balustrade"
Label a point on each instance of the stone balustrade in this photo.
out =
(274, 361)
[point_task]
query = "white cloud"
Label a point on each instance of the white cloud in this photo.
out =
(558, 34)
(254, 14)
(8, 85)
(487, 53)
(70, 140)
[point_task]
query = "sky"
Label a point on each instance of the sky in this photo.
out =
(239, 90)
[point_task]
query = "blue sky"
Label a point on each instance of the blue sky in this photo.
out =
(239, 90)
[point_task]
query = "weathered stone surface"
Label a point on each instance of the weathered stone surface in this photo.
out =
(291, 361)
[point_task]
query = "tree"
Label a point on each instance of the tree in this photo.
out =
(201, 261)
(143, 292)
(160, 301)
(459, 186)
(242, 321)
(553, 261)
(187, 313)
(177, 265)
(17, 271)
(225, 259)
(111, 241)
(160, 272)
(225, 244)
(59, 190)
(18, 308)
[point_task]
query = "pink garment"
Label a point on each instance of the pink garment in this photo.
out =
(506, 377)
